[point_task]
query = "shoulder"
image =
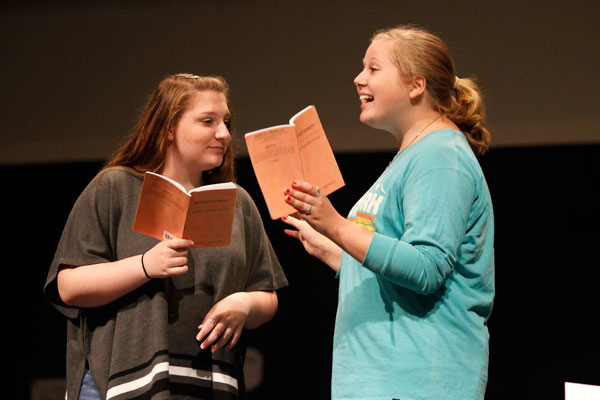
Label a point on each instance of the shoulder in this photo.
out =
(242, 193)
(443, 148)
(440, 157)
(117, 180)
(245, 201)
(118, 176)
(111, 186)
(247, 211)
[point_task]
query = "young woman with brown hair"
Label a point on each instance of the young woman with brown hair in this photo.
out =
(150, 319)
(414, 258)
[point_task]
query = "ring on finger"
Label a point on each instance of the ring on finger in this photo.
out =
(317, 191)
(307, 212)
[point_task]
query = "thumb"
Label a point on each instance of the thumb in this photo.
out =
(176, 244)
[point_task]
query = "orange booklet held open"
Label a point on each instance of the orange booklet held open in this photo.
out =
(299, 150)
(204, 214)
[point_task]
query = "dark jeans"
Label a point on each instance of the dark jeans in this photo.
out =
(88, 388)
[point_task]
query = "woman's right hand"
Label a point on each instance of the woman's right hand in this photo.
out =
(167, 258)
(315, 243)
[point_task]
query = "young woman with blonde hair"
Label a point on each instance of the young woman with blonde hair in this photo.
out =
(414, 258)
(150, 319)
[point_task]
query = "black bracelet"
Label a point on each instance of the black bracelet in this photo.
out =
(144, 268)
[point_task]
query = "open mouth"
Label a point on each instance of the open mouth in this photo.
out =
(365, 99)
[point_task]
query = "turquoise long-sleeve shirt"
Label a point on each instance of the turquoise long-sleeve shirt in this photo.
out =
(412, 317)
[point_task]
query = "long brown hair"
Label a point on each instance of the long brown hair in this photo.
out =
(146, 147)
(417, 52)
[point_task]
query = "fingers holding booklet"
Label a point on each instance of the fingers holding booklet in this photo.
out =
(295, 151)
(204, 214)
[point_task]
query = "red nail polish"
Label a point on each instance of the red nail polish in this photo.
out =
(295, 183)
(287, 190)
(284, 218)
(288, 198)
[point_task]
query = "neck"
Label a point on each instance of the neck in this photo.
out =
(190, 182)
(418, 128)
(181, 175)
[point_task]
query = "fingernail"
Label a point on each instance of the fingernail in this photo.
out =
(286, 191)
(288, 198)
(284, 217)
(295, 183)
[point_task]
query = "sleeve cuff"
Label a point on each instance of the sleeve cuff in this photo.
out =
(380, 249)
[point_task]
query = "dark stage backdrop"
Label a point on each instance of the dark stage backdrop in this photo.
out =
(544, 324)
(76, 72)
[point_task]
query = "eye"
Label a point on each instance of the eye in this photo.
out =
(227, 123)
(207, 121)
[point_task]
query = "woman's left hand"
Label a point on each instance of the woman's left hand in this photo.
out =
(223, 324)
(313, 207)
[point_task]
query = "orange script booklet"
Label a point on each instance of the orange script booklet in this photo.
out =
(204, 214)
(299, 150)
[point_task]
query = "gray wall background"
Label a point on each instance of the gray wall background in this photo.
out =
(75, 75)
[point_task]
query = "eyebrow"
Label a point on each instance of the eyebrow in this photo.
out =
(202, 114)
(213, 112)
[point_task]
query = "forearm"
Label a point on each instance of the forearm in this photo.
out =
(422, 268)
(333, 256)
(329, 253)
(262, 307)
(350, 237)
(99, 284)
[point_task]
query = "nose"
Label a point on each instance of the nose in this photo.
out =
(222, 133)
(360, 79)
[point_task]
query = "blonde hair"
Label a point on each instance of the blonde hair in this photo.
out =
(417, 52)
(146, 147)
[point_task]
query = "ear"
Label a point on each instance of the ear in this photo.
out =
(419, 84)
(170, 135)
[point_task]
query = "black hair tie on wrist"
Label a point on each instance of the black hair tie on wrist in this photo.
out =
(144, 268)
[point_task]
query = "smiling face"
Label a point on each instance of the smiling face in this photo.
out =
(200, 138)
(384, 96)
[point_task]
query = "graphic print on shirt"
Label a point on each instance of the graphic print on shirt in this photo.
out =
(365, 211)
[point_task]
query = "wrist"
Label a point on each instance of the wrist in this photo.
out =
(353, 239)
(244, 299)
(334, 257)
(338, 230)
(144, 267)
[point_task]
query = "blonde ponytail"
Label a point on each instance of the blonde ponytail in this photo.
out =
(467, 111)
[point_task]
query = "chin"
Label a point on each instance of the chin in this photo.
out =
(368, 121)
(363, 118)
(207, 166)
